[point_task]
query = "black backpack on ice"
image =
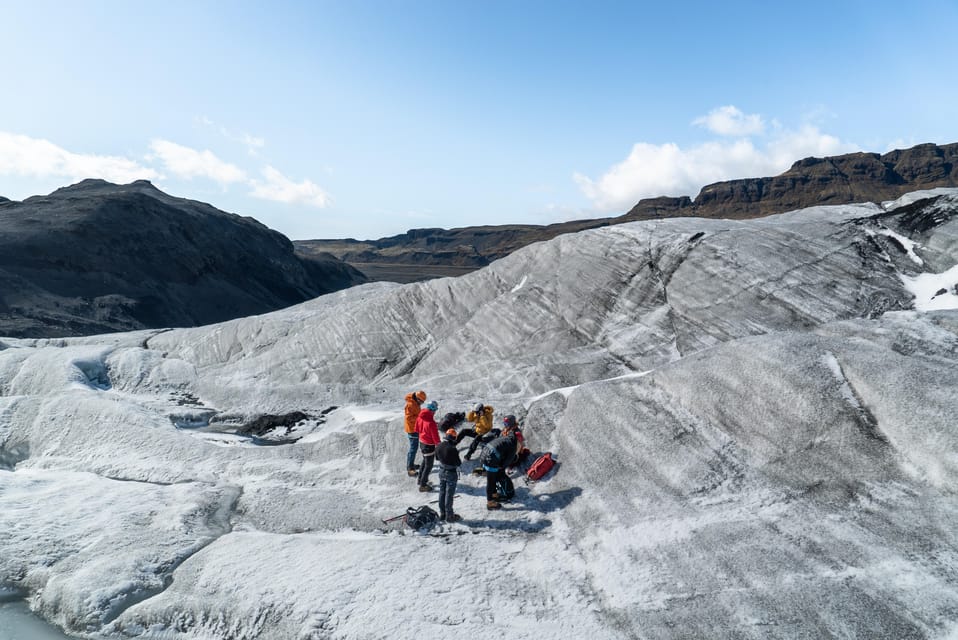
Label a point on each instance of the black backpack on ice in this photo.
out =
(505, 488)
(421, 518)
(450, 421)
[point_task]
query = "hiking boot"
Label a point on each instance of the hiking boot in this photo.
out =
(453, 518)
(425, 488)
(412, 473)
(496, 496)
(492, 504)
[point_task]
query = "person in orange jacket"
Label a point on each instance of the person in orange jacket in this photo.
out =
(414, 402)
(428, 432)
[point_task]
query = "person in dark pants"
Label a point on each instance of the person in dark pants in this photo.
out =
(481, 416)
(496, 456)
(428, 432)
(447, 457)
(413, 407)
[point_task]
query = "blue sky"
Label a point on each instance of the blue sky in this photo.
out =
(365, 119)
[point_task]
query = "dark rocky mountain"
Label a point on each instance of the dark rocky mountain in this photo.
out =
(421, 254)
(855, 177)
(98, 257)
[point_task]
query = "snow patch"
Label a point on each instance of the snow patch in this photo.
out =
(934, 291)
(224, 439)
(915, 196)
(521, 284)
(845, 389)
(563, 391)
(909, 244)
(343, 419)
(568, 391)
(366, 415)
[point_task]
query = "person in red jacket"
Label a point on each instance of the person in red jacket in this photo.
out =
(413, 407)
(428, 432)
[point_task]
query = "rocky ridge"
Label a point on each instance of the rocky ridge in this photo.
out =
(97, 257)
(856, 177)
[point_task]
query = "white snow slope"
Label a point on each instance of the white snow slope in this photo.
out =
(753, 422)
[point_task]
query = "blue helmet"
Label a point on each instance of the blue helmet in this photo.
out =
(509, 422)
(432, 405)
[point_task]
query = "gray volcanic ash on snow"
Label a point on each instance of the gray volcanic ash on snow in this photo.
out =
(754, 422)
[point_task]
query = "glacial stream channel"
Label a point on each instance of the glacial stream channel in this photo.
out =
(17, 622)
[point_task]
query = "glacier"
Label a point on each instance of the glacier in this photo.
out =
(753, 423)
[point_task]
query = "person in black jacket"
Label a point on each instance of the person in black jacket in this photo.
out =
(496, 456)
(447, 457)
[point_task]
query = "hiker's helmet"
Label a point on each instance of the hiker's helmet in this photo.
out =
(509, 422)
(420, 396)
(432, 405)
(478, 407)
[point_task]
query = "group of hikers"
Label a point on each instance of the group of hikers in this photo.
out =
(501, 449)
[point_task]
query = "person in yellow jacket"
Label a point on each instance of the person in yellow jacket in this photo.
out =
(481, 416)
(414, 402)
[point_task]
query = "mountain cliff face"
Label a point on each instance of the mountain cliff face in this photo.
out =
(97, 257)
(857, 177)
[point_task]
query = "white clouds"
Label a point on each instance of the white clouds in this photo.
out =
(252, 143)
(33, 157)
(28, 157)
(730, 121)
(654, 170)
(189, 163)
(788, 146)
(279, 188)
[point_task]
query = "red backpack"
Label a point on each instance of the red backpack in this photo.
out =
(540, 467)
